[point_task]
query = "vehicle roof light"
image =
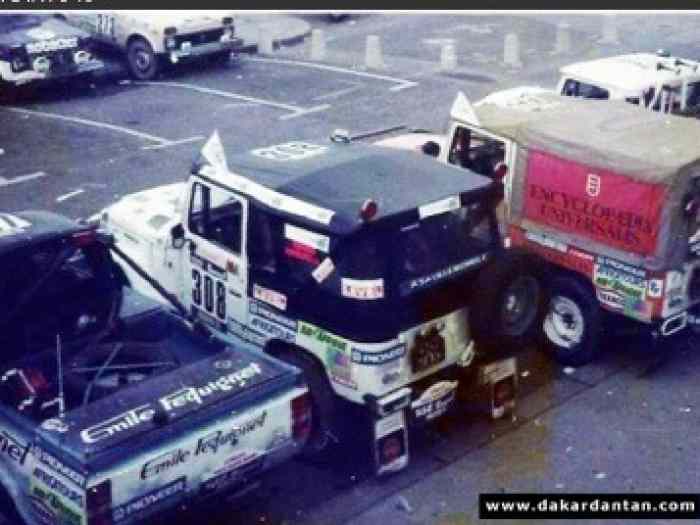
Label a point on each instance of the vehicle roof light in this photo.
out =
(368, 210)
(227, 20)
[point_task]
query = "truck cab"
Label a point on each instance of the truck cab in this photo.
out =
(357, 263)
(36, 47)
(112, 407)
(658, 82)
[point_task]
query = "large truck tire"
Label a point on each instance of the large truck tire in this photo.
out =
(508, 303)
(141, 59)
(322, 397)
(573, 322)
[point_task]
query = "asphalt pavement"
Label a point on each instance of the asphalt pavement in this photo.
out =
(626, 423)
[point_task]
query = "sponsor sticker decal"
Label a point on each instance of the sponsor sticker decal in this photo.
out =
(13, 449)
(337, 352)
(272, 297)
(58, 467)
(164, 463)
(323, 270)
(312, 239)
(143, 503)
(427, 280)
(362, 289)
(290, 151)
(619, 277)
(438, 207)
(362, 357)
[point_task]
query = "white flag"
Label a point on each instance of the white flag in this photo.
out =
(463, 110)
(213, 151)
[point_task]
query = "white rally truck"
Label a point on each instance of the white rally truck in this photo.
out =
(114, 409)
(605, 195)
(372, 270)
(149, 40)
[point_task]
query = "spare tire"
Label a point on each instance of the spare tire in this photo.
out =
(508, 303)
(133, 363)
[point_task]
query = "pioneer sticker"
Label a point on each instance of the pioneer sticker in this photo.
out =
(362, 357)
(158, 497)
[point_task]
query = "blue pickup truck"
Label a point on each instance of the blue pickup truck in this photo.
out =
(113, 407)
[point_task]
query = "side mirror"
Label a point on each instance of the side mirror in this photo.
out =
(431, 148)
(177, 236)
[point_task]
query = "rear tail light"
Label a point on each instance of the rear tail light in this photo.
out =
(301, 417)
(99, 504)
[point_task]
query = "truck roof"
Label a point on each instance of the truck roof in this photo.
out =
(33, 227)
(328, 188)
(633, 73)
(614, 135)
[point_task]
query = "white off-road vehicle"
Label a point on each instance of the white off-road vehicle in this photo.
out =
(372, 270)
(149, 39)
(655, 81)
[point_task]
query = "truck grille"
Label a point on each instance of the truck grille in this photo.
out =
(202, 37)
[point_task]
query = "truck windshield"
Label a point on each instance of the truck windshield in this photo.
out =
(402, 260)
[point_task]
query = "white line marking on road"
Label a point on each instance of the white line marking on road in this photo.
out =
(240, 105)
(69, 195)
(92, 123)
(21, 178)
(303, 112)
(337, 69)
(174, 143)
(296, 111)
(340, 92)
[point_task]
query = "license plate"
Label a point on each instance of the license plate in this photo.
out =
(434, 402)
(428, 351)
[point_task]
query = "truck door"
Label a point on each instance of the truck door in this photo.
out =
(216, 260)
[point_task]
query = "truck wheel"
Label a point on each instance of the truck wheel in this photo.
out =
(322, 399)
(572, 323)
(142, 61)
(509, 302)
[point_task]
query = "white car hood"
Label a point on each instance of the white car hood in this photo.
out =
(149, 213)
(184, 21)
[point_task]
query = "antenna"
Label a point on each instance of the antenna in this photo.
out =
(59, 361)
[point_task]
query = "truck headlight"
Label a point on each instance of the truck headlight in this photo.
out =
(170, 42)
(41, 65)
(81, 57)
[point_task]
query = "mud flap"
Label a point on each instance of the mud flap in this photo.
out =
(500, 380)
(390, 438)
